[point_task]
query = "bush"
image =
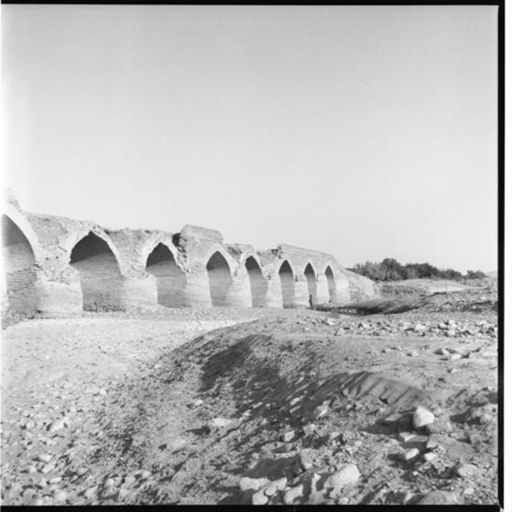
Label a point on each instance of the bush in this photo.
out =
(390, 269)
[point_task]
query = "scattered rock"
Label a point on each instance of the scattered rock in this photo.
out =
(44, 457)
(259, 498)
(275, 486)
(439, 498)
(255, 484)
(220, 422)
(465, 470)
(410, 454)
(306, 458)
(406, 436)
(422, 417)
(429, 456)
(60, 496)
(292, 494)
(91, 492)
(288, 436)
(439, 427)
(309, 429)
(348, 474)
(177, 445)
(320, 411)
(59, 424)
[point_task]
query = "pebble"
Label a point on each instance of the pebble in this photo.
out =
(410, 454)
(309, 429)
(422, 417)
(439, 427)
(334, 435)
(439, 498)
(320, 411)
(306, 458)
(81, 471)
(246, 483)
(348, 474)
(429, 456)
(122, 494)
(59, 424)
(406, 436)
(44, 457)
(60, 496)
(288, 436)
(465, 470)
(292, 494)
(220, 422)
(47, 467)
(177, 444)
(275, 486)
(259, 498)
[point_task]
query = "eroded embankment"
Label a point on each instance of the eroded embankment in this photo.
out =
(265, 400)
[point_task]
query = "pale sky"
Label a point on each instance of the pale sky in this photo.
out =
(365, 132)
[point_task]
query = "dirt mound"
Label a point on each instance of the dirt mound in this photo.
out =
(257, 400)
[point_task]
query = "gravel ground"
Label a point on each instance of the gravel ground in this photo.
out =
(249, 406)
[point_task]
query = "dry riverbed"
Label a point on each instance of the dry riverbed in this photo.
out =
(250, 406)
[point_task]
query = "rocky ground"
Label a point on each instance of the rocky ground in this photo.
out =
(251, 406)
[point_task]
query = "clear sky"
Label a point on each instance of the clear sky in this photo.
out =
(365, 132)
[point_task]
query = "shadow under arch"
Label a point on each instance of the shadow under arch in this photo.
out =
(170, 279)
(287, 284)
(19, 261)
(100, 276)
(219, 278)
(310, 275)
(331, 283)
(259, 285)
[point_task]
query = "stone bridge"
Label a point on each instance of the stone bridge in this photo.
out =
(58, 266)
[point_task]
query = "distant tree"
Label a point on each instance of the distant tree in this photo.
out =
(475, 274)
(390, 269)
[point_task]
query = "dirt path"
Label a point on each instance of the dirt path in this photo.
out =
(55, 373)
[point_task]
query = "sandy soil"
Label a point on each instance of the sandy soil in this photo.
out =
(195, 407)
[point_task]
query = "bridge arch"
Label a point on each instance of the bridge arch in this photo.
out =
(219, 278)
(19, 260)
(287, 279)
(170, 278)
(100, 277)
(310, 275)
(259, 285)
(331, 283)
